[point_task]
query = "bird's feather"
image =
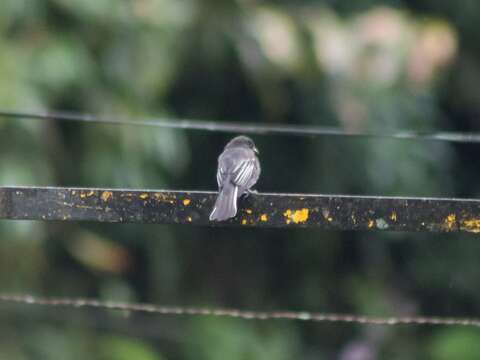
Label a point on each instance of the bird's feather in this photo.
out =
(244, 173)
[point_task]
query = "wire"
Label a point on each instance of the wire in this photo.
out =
(236, 313)
(246, 128)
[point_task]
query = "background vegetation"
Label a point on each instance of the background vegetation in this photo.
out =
(367, 65)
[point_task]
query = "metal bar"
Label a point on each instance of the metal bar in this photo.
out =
(247, 128)
(330, 212)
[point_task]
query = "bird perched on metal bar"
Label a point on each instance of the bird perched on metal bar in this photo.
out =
(238, 170)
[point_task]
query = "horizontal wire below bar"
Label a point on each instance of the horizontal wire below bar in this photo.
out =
(236, 313)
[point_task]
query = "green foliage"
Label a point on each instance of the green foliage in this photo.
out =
(240, 340)
(455, 343)
(122, 348)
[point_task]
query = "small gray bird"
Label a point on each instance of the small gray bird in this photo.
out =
(238, 170)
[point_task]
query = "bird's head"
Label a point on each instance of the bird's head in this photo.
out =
(242, 141)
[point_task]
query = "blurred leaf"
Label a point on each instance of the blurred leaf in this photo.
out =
(99, 253)
(60, 62)
(51, 343)
(455, 343)
(240, 340)
(124, 348)
(93, 10)
(277, 36)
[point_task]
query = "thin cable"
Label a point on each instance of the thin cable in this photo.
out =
(247, 128)
(236, 313)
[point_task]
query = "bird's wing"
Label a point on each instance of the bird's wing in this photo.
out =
(242, 173)
(221, 175)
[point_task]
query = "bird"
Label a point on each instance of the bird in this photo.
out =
(238, 170)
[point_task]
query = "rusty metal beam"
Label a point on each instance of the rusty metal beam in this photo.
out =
(330, 212)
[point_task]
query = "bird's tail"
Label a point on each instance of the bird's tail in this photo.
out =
(226, 204)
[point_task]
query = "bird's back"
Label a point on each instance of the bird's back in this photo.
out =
(234, 161)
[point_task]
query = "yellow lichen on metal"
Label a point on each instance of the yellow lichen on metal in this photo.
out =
(83, 194)
(371, 223)
(143, 196)
(249, 211)
(106, 195)
(264, 217)
(244, 221)
(186, 202)
(165, 197)
(159, 196)
(450, 222)
(297, 216)
(393, 216)
(288, 214)
(471, 225)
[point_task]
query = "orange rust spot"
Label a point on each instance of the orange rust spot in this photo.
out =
(143, 196)
(186, 202)
(264, 217)
(244, 221)
(106, 195)
(297, 216)
(471, 225)
(393, 216)
(371, 223)
(450, 222)
(249, 211)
